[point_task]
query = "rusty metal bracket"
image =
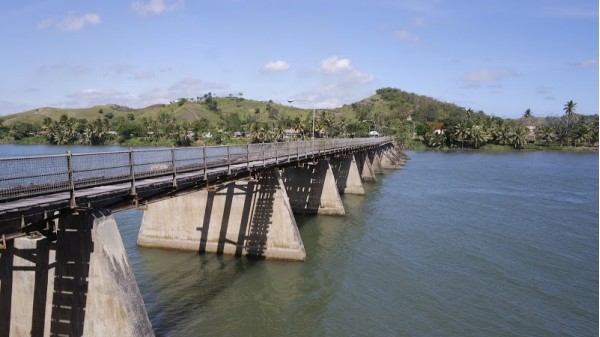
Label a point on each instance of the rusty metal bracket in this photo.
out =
(141, 208)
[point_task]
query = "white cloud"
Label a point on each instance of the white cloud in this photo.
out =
(187, 87)
(120, 68)
(46, 23)
(11, 107)
(405, 35)
(72, 22)
(488, 75)
(191, 87)
(278, 65)
(342, 83)
(156, 6)
(334, 64)
(129, 70)
(92, 94)
(588, 64)
(63, 69)
(343, 66)
(359, 78)
(572, 11)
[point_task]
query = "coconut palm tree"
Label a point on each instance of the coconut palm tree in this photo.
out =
(479, 136)
(95, 132)
(546, 133)
(519, 137)
(569, 108)
(504, 135)
(462, 132)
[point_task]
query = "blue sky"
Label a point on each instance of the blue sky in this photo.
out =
(501, 57)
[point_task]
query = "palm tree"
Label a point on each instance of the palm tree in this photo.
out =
(479, 136)
(570, 108)
(95, 132)
(546, 133)
(462, 132)
(519, 137)
(504, 135)
(469, 114)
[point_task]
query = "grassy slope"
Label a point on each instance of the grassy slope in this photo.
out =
(189, 111)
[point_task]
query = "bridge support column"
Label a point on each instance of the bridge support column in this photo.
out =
(375, 158)
(80, 285)
(347, 176)
(389, 159)
(238, 218)
(364, 167)
(312, 189)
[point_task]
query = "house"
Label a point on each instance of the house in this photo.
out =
(291, 134)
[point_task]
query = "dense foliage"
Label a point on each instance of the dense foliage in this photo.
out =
(415, 120)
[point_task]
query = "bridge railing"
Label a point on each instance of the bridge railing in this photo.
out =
(22, 177)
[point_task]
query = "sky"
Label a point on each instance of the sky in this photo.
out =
(500, 57)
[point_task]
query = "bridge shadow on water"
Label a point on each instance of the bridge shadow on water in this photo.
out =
(71, 250)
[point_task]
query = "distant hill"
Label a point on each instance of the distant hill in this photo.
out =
(386, 103)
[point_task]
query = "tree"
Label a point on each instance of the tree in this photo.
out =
(478, 136)
(546, 133)
(504, 135)
(569, 108)
(463, 131)
(21, 130)
(95, 132)
(519, 137)
(210, 102)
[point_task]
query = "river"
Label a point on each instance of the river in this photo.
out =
(453, 244)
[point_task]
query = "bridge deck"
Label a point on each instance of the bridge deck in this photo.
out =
(119, 194)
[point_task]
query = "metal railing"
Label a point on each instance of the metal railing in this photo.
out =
(22, 177)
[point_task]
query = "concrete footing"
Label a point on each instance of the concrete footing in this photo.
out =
(239, 218)
(312, 189)
(346, 174)
(375, 158)
(80, 285)
(390, 159)
(364, 167)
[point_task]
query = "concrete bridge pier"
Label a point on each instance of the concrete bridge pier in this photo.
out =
(365, 167)
(346, 174)
(312, 189)
(375, 158)
(245, 217)
(390, 159)
(79, 285)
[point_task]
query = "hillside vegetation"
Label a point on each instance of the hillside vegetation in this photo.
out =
(414, 120)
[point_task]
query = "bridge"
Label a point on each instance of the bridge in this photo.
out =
(63, 267)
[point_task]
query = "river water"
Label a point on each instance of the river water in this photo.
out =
(453, 244)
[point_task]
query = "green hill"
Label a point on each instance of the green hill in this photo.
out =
(386, 103)
(414, 119)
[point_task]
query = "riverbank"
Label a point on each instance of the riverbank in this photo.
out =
(507, 148)
(165, 142)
